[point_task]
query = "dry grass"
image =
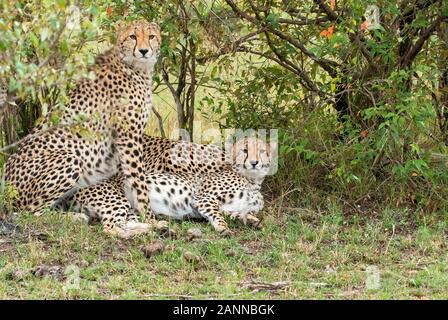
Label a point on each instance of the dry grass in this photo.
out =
(299, 254)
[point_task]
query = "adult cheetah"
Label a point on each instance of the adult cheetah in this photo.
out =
(100, 132)
(188, 180)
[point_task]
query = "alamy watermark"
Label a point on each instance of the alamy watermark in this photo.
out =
(266, 142)
(373, 278)
(72, 280)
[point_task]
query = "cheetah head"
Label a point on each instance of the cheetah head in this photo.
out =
(138, 43)
(251, 157)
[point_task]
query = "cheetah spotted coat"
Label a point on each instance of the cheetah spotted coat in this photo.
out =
(100, 132)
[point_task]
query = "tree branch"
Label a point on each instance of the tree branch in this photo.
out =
(231, 47)
(192, 88)
(303, 22)
(327, 65)
(180, 112)
(356, 39)
(327, 10)
(159, 121)
(306, 81)
(410, 55)
(303, 78)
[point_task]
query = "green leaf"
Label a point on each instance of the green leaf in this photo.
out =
(273, 18)
(34, 39)
(3, 46)
(333, 87)
(62, 3)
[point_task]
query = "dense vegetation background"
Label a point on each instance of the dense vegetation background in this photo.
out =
(357, 89)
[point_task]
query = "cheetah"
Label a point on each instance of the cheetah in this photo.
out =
(160, 155)
(204, 184)
(100, 130)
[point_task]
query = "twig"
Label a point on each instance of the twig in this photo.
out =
(327, 10)
(301, 73)
(53, 46)
(407, 59)
(165, 78)
(186, 296)
(159, 121)
(233, 47)
(327, 65)
(390, 240)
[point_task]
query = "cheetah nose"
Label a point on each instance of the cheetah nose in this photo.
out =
(254, 163)
(143, 51)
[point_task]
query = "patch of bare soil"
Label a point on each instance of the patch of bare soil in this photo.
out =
(253, 247)
(9, 233)
(6, 245)
(52, 271)
(8, 228)
(272, 287)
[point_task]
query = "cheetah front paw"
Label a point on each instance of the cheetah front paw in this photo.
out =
(253, 221)
(137, 227)
(162, 225)
(227, 233)
(158, 225)
(224, 230)
(128, 230)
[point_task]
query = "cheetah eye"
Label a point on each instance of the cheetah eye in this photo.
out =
(151, 37)
(133, 37)
(245, 150)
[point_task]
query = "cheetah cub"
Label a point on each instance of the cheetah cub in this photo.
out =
(232, 191)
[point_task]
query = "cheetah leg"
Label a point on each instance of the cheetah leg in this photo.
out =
(107, 202)
(43, 181)
(135, 186)
(160, 226)
(208, 207)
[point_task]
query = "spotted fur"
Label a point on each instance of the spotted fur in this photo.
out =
(100, 132)
(189, 180)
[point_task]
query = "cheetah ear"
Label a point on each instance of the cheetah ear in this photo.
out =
(155, 26)
(119, 26)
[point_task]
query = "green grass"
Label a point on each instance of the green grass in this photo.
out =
(320, 256)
